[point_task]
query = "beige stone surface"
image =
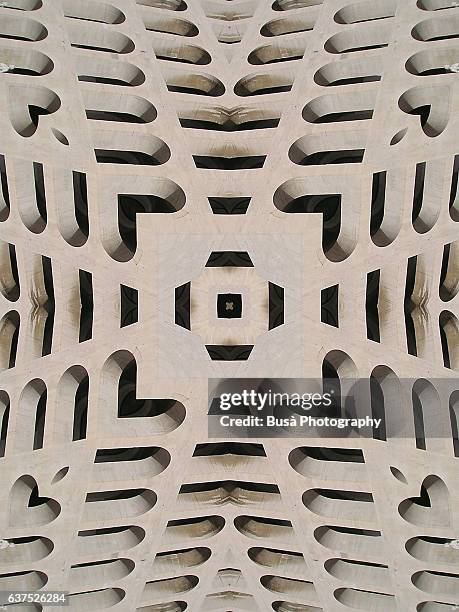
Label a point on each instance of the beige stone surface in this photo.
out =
(128, 129)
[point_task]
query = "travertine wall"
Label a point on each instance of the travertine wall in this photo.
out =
(154, 155)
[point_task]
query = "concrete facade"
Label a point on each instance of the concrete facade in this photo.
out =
(154, 155)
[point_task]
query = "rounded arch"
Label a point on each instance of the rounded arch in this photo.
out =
(339, 374)
(365, 11)
(72, 404)
(454, 419)
(9, 335)
(449, 335)
(449, 278)
(9, 277)
(261, 84)
(384, 399)
(4, 419)
(30, 430)
(429, 420)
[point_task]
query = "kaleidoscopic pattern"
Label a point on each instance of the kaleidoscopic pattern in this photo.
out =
(216, 189)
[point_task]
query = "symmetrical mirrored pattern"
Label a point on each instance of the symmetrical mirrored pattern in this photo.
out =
(195, 189)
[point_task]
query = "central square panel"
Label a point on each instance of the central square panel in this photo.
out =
(229, 305)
